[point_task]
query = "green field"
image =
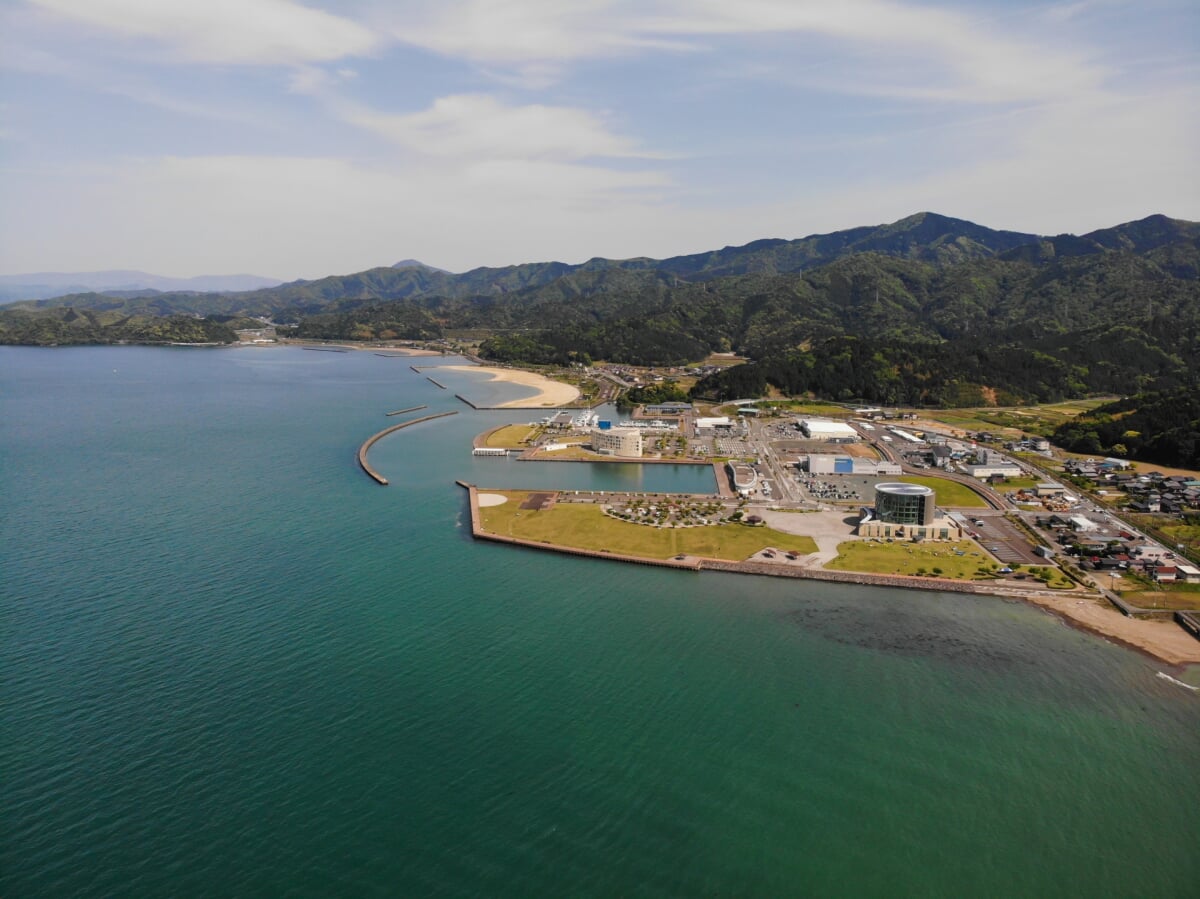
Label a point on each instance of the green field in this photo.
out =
(912, 558)
(948, 493)
(585, 526)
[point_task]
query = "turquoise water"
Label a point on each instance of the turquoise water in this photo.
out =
(233, 665)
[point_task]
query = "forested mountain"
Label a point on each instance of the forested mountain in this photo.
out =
(62, 327)
(1161, 426)
(925, 236)
(928, 310)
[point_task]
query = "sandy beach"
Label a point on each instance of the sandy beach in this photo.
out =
(1161, 638)
(550, 393)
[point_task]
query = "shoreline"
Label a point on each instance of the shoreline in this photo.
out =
(1162, 640)
(550, 394)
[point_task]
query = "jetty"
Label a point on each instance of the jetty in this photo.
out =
(370, 441)
(436, 383)
(403, 411)
(326, 349)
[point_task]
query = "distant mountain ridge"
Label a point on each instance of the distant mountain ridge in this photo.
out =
(926, 236)
(45, 285)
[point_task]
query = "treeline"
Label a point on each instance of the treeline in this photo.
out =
(1161, 426)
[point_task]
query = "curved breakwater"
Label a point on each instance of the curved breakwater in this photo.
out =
(370, 441)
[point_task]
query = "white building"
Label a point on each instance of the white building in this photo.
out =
(1003, 469)
(618, 442)
(823, 429)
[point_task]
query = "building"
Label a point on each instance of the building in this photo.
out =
(822, 429)
(994, 470)
(618, 442)
(907, 511)
(1189, 574)
(714, 423)
(825, 463)
(744, 477)
(671, 410)
(904, 503)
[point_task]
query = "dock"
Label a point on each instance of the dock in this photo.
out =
(371, 441)
(436, 383)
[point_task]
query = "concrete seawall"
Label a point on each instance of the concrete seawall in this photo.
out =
(370, 441)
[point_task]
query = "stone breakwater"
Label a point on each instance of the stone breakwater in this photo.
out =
(370, 441)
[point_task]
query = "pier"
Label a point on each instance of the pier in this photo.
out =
(402, 411)
(370, 441)
(436, 383)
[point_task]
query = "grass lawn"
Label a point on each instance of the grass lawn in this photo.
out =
(585, 526)
(511, 437)
(948, 493)
(906, 558)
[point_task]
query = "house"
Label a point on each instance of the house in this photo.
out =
(1165, 574)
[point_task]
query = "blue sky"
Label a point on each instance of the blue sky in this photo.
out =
(294, 139)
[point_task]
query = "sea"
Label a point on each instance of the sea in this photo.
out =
(233, 665)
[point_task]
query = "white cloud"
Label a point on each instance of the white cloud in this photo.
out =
(949, 54)
(247, 32)
(480, 126)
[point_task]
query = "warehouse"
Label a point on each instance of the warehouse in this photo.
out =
(825, 463)
(823, 429)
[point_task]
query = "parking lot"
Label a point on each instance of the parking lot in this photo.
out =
(1005, 541)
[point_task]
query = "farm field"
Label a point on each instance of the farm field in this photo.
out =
(585, 526)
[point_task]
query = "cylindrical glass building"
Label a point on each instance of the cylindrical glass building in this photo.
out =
(904, 503)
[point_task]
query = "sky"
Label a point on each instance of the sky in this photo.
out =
(300, 139)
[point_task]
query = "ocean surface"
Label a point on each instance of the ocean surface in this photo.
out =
(232, 665)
